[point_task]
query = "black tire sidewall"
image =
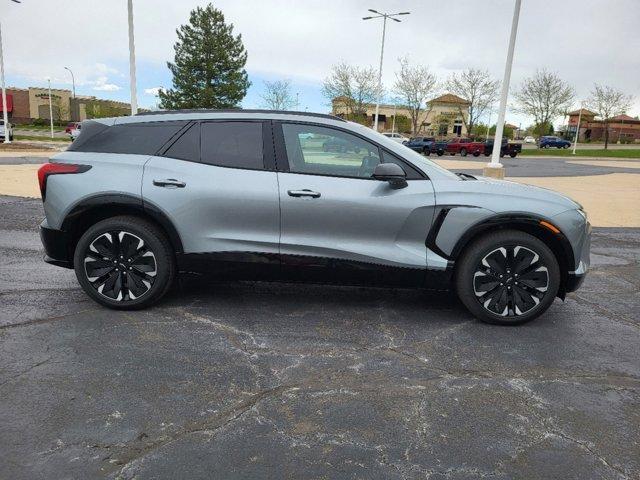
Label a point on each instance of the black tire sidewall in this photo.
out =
(473, 254)
(165, 260)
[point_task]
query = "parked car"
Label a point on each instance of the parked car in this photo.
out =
(336, 144)
(511, 149)
(3, 130)
(75, 131)
(420, 144)
(439, 147)
(136, 200)
(529, 139)
(548, 142)
(464, 146)
(396, 137)
(71, 126)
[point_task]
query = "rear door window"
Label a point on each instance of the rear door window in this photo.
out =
(187, 146)
(232, 144)
(132, 138)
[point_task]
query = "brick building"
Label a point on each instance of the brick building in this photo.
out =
(622, 128)
(25, 105)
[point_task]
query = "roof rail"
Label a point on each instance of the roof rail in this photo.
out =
(240, 110)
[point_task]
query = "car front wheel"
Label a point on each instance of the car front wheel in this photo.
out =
(124, 263)
(507, 277)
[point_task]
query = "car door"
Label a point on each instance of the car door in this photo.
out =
(217, 185)
(334, 213)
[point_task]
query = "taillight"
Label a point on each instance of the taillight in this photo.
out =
(49, 169)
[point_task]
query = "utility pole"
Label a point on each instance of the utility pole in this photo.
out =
(494, 168)
(132, 61)
(73, 81)
(384, 17)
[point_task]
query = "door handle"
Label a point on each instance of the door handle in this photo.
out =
(169, 182)
(303, 193)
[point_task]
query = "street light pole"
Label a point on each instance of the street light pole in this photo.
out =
(5, 115)
(132, 60)
(50, 108)
(575, 140)
(384, 17)
(73, 81)
(395, 110)
(494, 168)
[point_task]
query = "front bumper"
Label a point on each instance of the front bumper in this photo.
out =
(56, 246)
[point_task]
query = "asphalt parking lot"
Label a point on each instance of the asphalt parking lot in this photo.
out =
(251, 380)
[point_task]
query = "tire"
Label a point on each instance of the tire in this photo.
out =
(486, 154)
(476, 153)
(513, 154)
(440, 153)
(426, 151)
(565, 146)
(143, 273)
(463, 152)
(493, 250)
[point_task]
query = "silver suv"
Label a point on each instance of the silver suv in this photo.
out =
(256, 194)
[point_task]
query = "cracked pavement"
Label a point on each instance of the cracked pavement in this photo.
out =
(254, 380)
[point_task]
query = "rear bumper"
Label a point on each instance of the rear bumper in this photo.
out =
(56, 246)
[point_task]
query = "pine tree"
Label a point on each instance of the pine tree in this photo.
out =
(209, 64)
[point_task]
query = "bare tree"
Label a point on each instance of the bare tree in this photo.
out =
(414, 84)
(356, 86)
(608, 102)
(478, 88)
(544, 96)
(277, 95)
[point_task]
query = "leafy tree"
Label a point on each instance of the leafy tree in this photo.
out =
(544, 96)
(478, 88)
(356, 87)
(403, 124)
(608, 102)
(414, 84)
(278, 96)
(209, 64)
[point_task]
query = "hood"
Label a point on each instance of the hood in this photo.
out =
(520, 190)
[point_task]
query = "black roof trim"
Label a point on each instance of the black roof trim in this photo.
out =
(240, 110)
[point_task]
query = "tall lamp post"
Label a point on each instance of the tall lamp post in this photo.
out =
(5, 114)
(494, 168)
(73, 81)
(384, 17)
(132, 60)
(575, 140)
(50, 108)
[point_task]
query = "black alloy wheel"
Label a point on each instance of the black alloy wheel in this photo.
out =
(507, 277)
(124, 262)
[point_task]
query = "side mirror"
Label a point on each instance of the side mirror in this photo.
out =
(392, 173)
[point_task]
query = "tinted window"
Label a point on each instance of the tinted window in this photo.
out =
(187, 147)
(412, 173)
(328, 152)
(133, 138)
(232, 144)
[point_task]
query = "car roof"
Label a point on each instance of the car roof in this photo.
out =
(236, 114)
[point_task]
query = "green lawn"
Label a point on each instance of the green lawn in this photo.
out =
(41, 138)
(555, 152)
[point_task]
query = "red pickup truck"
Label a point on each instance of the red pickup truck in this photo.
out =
(464, 146)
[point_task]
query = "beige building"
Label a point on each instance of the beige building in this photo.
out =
(25, 105)
(445, 116)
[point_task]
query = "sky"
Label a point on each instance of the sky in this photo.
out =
(583, 41)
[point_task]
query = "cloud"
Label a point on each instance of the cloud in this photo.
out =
(102, 84)
(152, 91)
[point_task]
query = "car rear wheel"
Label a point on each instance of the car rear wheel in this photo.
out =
(507, 277)
(463, 152)
(426, 151)
(124, 263)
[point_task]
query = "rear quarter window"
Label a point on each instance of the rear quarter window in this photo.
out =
(133, 138)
